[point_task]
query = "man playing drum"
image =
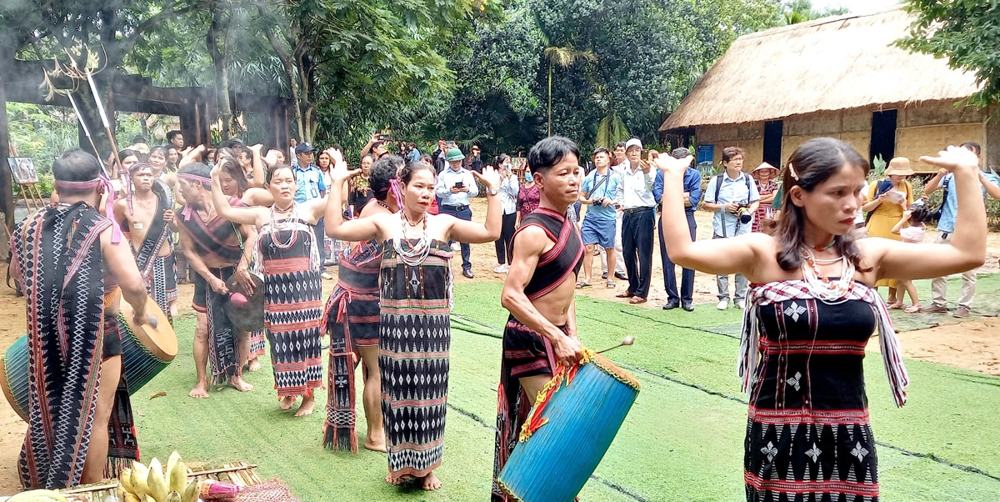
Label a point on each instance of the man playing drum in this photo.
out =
(215, 251)
(147, 218)
(538, 292)
(60, 255)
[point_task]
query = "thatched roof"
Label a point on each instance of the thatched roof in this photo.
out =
(828, 64)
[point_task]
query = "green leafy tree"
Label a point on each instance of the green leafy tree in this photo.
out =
(494, 101)
(967, 33)
(563, 57)
(800, 11)
(350, 64)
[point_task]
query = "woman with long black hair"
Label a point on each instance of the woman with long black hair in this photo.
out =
(811, 311)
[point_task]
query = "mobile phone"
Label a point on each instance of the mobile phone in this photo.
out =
(459, 184)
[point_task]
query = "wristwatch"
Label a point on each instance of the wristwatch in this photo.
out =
(492, 191)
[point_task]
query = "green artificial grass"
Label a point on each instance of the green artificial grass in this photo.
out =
(683, 439)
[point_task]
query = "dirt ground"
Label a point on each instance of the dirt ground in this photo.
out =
(973, 345)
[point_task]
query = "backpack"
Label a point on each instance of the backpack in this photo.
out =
(718, 185)
(935, 216)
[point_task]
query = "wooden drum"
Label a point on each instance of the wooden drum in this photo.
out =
(146, 351)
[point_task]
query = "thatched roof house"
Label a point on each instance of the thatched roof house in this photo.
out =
(840, 76)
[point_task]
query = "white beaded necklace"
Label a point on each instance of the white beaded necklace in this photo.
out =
(414, 254)
(825, 290)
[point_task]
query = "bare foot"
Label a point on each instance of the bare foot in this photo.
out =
(253, 365)
(913, 309)
(306, 408)
(895, 305)
(286, 403)
(376, 444)
(431, 483)
(395, 481)
(239, 384)
(200, 391)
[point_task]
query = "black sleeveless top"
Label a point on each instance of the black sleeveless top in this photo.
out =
(557, 263)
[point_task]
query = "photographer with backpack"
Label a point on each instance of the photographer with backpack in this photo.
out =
(732, 195)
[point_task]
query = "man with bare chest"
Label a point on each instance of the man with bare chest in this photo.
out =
(216, 251)
(147, 218)
(541, 331)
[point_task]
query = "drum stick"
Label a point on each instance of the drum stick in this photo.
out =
(628, 340)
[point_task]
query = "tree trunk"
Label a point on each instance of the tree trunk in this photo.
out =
(550, 99)
(219, 60)
(6, 183)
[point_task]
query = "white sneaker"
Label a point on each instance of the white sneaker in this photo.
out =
(723, 305)
(500, 269)
(740, 304)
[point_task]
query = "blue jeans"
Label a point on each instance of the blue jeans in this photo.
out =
(687, 275)
(462, 213)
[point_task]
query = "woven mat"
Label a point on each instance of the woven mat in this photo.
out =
(271, 491)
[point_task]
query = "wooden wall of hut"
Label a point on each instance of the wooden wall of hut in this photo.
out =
(921, 129)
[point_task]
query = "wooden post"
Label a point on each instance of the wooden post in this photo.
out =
(6, 181)
(992, 146)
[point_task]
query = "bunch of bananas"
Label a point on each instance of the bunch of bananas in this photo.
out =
(154, 484)
(39, 496)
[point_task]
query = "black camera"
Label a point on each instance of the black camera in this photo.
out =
(744, 214)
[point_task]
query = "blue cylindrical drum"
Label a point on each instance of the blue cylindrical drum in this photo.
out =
(569, 431)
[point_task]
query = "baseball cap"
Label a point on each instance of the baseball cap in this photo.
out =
(633, 142)
(303, 148)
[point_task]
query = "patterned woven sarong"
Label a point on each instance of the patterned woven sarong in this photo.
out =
(223, 340)
(158, 284)
(352, 316)
(414, 340)
(293, 308)
(808, 433)
(258, 347)
(59, 265)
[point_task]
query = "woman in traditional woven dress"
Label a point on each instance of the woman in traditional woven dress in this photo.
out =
(414, 329)
(352, 319)
(287, 257)
(812, 312)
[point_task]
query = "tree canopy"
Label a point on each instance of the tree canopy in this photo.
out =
(471, 70)
(967, 33)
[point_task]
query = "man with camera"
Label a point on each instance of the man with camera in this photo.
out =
(600, 190)
(732, 195)
(455, 187)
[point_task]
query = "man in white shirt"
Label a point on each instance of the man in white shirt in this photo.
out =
(455, 187)
(638, 220)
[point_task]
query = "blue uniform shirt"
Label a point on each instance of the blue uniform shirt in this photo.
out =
(309, 183)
